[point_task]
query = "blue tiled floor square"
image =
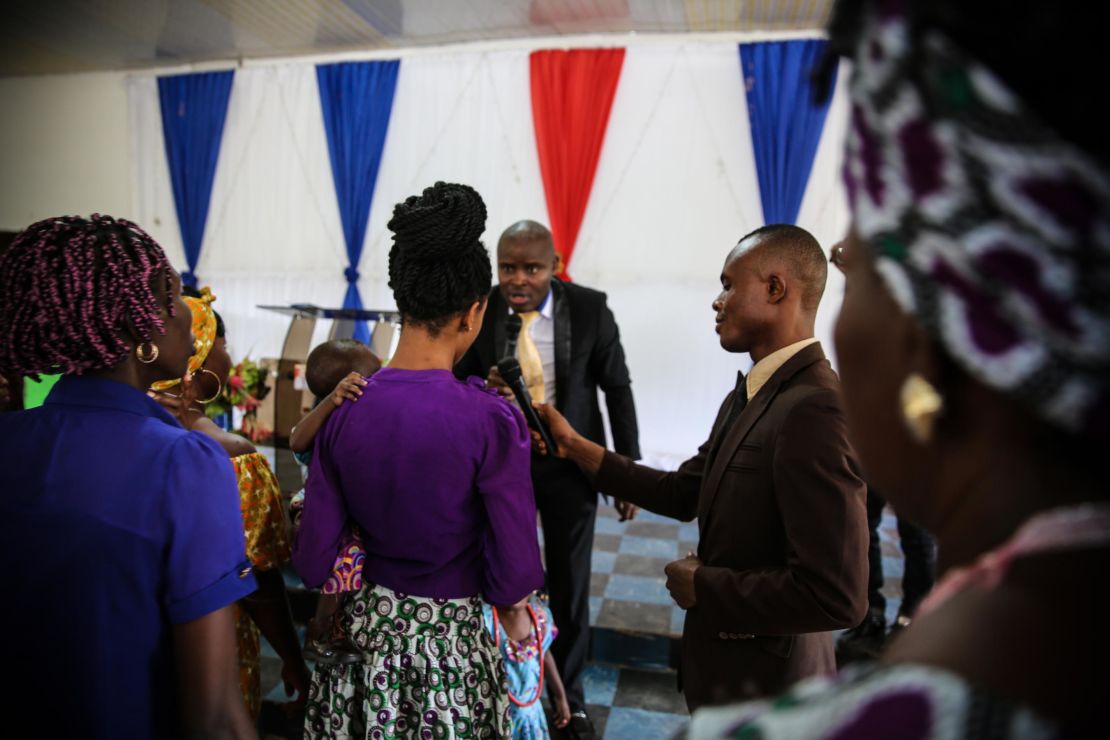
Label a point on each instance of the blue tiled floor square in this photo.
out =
(893, 567)
(605, 525)
(637, 588)
(603, 562)
(595, 608)
(678, 618)
(626, 723)
(649, 547)
(648, 516)
(600, 684)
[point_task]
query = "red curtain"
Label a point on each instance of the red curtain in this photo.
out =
(572, 94)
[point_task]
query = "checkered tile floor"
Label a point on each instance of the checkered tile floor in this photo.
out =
(630, 688)
(626, 589)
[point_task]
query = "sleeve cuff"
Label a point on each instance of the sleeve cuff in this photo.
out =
(609, 471)
(233, 586)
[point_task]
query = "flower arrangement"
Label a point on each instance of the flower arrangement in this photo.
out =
(245, 389)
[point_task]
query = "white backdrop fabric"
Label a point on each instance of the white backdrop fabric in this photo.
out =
(675, 189)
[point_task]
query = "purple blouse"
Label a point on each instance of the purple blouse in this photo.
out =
(436, 472)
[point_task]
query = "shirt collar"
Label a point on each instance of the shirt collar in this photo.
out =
(765, 368)
(547, 307)
(84, 390)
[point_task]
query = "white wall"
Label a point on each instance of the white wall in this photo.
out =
(64, 147)
(675, 188)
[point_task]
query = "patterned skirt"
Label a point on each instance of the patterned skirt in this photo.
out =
(429, 670)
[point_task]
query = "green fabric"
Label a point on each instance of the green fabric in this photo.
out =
(35, 392)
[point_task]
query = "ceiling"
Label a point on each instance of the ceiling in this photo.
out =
(63, 36)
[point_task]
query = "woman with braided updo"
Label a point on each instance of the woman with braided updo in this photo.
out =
(435, 473)
(120, 527)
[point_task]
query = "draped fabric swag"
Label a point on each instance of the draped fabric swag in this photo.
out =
(194, 108)
(356, 99)
(572, 95)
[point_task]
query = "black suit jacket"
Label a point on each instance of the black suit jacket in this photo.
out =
(588, 356)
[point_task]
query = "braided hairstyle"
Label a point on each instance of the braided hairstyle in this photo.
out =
(437, 266)
(73, 291)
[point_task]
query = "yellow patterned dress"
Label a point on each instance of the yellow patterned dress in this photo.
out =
(267, 536)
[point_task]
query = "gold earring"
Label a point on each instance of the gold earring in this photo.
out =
(150, 356)
(219, 387)
(921, 404)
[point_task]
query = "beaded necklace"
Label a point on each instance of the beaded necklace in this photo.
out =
(497, 627)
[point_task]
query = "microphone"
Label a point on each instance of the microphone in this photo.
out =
(512, 332)
(510, 373)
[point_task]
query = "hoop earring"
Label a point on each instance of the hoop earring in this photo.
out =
(150, 356)
(219, 387)
(921, 404)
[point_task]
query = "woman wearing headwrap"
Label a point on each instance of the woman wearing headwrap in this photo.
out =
(264, 521)
(974, 348)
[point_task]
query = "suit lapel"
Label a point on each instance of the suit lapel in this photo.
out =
(751, 414)
(562, 342)
(500, 313)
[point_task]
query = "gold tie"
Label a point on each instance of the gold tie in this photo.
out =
(531, 366)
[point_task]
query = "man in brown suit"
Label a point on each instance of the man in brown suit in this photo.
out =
(782, 553)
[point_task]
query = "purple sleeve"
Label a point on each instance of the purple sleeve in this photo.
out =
(207, 566)
(321, 526)
(510, 546)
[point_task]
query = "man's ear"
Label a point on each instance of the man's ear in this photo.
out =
(776, 288)
(558, 263)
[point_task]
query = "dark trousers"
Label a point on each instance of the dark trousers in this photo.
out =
(920, 554)
(567, 503)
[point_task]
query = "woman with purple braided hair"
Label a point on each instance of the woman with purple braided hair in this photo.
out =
(119, 530)
(974, 348)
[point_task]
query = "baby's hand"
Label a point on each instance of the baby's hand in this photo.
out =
(349, 388)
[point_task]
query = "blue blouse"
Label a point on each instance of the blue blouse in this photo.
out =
(115, 524)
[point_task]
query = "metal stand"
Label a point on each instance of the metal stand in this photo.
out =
(289, 402)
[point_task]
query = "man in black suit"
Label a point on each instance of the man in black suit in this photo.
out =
(569, 346)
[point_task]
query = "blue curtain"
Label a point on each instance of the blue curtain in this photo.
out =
(194, 108)
(356, 99)
(786, 124)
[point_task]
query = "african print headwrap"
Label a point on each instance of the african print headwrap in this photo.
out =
(204, 334)
(988, 227)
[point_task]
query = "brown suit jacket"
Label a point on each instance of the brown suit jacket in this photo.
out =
(783, 535)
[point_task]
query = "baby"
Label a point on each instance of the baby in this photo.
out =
(335, 372)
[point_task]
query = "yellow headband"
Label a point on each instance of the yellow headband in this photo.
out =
(204, 334)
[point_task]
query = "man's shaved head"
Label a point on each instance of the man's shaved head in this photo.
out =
(797, 250)
(527, 231)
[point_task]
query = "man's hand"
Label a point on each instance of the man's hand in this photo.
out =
(349, 389)
(495, 381)
(680, 580)
(626, 510)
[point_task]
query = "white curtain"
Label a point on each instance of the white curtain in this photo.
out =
(675, 189)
